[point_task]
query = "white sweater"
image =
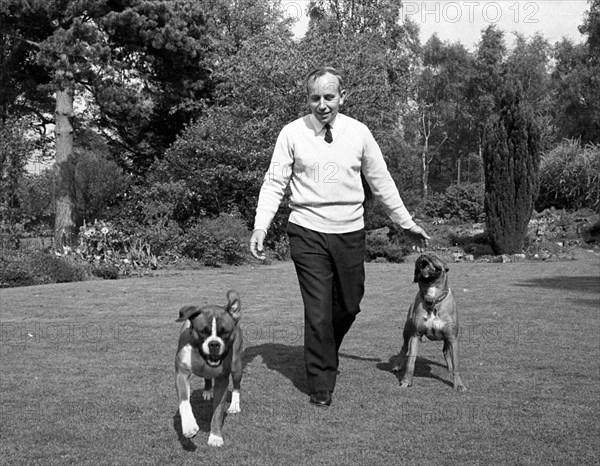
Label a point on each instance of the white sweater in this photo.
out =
(326, 189)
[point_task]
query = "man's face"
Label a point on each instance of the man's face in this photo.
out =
(325, 98)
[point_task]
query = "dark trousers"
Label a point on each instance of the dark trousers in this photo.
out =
(331, 274)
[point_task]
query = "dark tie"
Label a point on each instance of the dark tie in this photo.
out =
(328, 136)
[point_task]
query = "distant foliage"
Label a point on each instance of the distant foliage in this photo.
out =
(570, 177)
(18, 268)
(218, 241)
(379, 247)
(112, 251)
(154, 213)
(460, 201)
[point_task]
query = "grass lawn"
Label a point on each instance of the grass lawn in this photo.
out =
(87, 372)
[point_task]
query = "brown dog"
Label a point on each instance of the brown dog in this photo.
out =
(432, 314)
(210, 346)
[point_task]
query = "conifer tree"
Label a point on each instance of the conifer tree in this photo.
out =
(511, 155)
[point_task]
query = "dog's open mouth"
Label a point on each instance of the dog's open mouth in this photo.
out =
(214, 363)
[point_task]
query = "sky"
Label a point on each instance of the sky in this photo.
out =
(463, 20)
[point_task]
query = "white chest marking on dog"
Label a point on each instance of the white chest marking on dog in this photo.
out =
(432, 292)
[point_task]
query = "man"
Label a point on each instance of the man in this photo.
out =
(321, 157)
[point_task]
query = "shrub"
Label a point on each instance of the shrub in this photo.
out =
(15, 273)
(214, 241)
(25, 269)
(106, 271)
(153, 215)
(463, 201)
(58, 269)
(591, 233)
(570, 177)
(233, 250)
(281, 249)
(379, 246)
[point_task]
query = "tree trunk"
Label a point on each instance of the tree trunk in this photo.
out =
(424, 175)
(425, 164)
(64, 225)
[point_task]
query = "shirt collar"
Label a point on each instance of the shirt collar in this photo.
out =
(319, 126)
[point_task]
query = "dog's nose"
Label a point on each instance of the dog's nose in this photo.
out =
(214, 346)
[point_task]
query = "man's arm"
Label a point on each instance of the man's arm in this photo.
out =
(271, 193)
(385, 190)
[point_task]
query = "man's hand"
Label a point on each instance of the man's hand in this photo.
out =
(257, 248)
(420, 237)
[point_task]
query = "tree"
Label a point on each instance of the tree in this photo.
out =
(576, 82)
(143, 65)
(511, 153)
(365, 40)
(223, 156)
(440, 117)
(529, 63)
(13, 158)
(69, 55)
(591, 28)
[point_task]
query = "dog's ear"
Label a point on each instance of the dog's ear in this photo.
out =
(234, 305)
(188, 312)
(418, 265)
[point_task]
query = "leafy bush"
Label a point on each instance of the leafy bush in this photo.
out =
(570, 177)
(463, 201)
(15, 271)
(222, 158)
(99, 182)
(153, 214)
(591, 233)
(379, 246)
(281, 249)
(106, 271)
(19, 268)
(218, 240)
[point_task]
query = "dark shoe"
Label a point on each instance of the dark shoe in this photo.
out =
(322, 398)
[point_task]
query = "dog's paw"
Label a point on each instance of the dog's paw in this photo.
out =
(215, 440)
(189, 428)
(460, 388)
(405, 384)
(207, 395)
(234, 408)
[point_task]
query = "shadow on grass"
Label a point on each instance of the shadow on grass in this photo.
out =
(203, 410)
(422, 370)
(285, 359)
(359, 358)
(589, 284)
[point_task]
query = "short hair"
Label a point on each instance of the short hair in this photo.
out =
(322, 71)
